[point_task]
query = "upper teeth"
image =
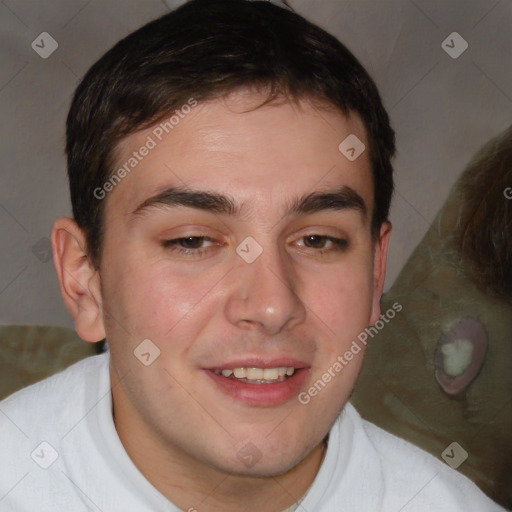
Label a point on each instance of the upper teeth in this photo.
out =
(259, 373)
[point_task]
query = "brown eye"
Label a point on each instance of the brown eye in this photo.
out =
(319, 242)
(189, 245)
(190, 242)
(315, 241)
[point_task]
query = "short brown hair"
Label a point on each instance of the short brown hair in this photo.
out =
(206, 49)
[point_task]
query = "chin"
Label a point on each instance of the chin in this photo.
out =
(262, 469)
(264, 461)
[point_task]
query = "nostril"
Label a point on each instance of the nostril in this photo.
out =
(460, 355)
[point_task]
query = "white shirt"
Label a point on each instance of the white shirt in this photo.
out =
(59, 451)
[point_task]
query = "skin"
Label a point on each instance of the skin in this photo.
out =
(179, 429)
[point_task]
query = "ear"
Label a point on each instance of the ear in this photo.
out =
(379, 268)
(79, 281)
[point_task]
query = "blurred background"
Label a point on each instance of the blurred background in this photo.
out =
(444, 70)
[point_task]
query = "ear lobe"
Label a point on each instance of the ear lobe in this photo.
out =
(379, 269)
(79, 281)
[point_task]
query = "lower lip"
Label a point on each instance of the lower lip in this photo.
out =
(263, 395)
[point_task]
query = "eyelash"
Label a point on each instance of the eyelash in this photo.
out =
(340, 244)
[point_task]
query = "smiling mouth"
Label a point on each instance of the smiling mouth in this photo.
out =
(260, 384)
(257, 375)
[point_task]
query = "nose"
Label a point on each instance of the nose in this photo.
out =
(263, 294)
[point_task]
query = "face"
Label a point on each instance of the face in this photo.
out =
(248, 295)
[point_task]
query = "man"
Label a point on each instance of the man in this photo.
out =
(230, 179)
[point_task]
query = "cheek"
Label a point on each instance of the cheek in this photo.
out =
(341, 298)
(145, 298)
(157, 300)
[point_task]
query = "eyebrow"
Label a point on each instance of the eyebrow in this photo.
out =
(344, 198)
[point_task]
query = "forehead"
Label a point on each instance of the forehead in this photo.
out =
(259, 155)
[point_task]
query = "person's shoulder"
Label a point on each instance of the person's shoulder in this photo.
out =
(35, 445)
(415, 479)
(54, 396)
